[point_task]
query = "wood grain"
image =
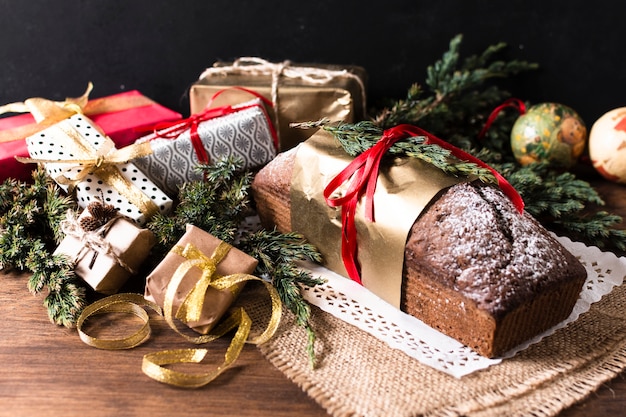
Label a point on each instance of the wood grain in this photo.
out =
(47, 370)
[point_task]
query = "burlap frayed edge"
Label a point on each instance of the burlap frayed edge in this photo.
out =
(546, 396)
(507, 397)
(557, 394)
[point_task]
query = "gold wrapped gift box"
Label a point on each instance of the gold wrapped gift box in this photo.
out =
(299, 93)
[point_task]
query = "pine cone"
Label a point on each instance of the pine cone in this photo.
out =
(100, 212)
(90, 224)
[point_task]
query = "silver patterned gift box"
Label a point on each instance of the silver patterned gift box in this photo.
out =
(244, 131)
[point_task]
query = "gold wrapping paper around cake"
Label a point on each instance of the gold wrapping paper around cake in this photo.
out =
(216, 302)
(404, 189)
(299, 93)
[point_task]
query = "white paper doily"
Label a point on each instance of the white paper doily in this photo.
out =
(356, 305)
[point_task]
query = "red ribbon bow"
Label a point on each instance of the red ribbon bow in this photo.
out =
(363, 173)
(174, 129)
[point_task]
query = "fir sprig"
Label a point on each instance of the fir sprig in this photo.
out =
(358, 137)
(219, 205)
(456, 90)
(458, 98)
(278, 255)
(29, 230)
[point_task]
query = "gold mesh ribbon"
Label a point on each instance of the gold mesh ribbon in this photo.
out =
(153, 364)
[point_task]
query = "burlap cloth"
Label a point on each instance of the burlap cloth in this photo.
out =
(359, 375)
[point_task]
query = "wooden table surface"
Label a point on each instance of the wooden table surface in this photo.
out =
(49, 371)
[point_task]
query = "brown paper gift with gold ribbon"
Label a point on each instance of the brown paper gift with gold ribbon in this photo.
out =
(108, 255)
(299, 92)
(216, 302)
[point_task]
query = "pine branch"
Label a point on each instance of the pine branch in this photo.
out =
(459, 97)
(219, 205)
(278, 254)
(29, 230)
(454, 84)
(358, 137)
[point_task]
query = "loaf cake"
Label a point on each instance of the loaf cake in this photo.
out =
(474, 267)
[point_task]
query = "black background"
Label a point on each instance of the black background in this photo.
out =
(53, 48)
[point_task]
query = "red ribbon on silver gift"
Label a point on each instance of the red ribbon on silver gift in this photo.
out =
(175, 129)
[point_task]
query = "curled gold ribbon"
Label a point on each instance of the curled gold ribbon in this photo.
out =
(118, 303)
(153, 364)
(190, 311)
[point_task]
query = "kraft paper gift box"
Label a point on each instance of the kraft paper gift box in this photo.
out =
(121, 116)
(108, 255)
(299, 92)
(121, 184)
(216, 302)
(243, 130)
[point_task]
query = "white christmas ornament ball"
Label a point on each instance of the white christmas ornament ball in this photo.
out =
(607, 145)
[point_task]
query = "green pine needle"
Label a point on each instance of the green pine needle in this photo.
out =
(29, 231)
(219, 205)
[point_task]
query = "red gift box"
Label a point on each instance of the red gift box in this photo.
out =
(122, 116)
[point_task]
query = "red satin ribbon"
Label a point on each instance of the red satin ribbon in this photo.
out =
(511, 102)
(362, 173)
(174, 129)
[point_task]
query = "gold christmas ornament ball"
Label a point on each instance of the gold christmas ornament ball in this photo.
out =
(607, 145)
(549, 132)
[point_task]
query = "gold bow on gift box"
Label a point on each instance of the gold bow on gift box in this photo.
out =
(189, 311)
(101, 162)
(47, 112)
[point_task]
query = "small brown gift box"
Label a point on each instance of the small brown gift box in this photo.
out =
(299, 92)
(106, 260)
(216, 302)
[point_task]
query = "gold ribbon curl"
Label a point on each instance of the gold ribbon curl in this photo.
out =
(118, 303)
(153, 364)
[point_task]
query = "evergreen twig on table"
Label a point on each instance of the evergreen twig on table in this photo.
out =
(29, 231)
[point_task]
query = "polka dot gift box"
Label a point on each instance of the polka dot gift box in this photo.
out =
(95, 170)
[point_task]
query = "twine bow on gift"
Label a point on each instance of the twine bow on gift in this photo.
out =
(93, 240)
(362, 173)
(257, 66)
